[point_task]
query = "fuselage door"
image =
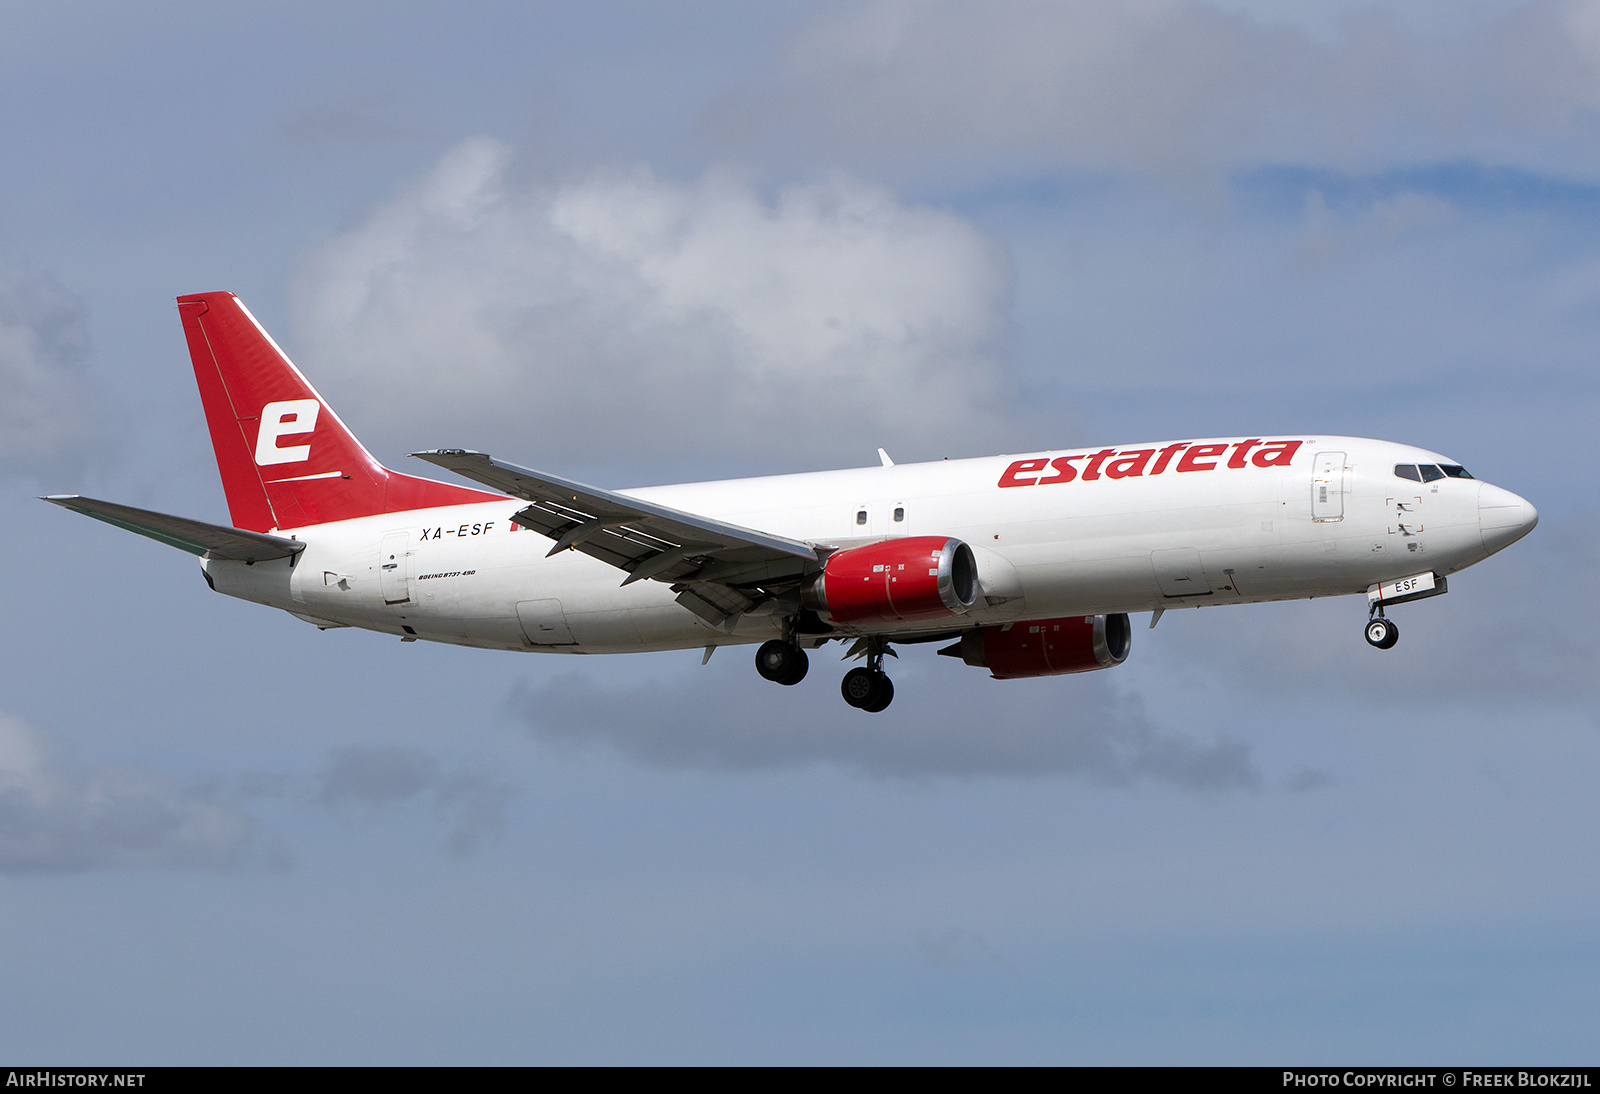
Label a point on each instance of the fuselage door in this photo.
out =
(394, 565)
(1180, 573)
(1327, 487)
(544, 623)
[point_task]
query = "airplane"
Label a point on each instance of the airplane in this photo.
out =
(1025, 565)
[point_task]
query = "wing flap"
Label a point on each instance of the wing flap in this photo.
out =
(644, 540)
(717, 604)
(639, 537)
(196, 537)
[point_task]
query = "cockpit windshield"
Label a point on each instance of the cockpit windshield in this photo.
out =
(1428, 472)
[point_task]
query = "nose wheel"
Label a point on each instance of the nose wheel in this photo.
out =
(1382, 633)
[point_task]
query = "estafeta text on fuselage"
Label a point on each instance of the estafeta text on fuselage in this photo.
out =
(1181, 457)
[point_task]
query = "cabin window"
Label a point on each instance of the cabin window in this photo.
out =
(899, 513)
(861, 516)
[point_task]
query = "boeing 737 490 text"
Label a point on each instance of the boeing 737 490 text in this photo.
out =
(1026, 566)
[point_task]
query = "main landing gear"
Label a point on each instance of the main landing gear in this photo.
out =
(869, 688)
(782, 662)
(1381, 633)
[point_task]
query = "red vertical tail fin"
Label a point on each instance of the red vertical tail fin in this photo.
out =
(286, 459)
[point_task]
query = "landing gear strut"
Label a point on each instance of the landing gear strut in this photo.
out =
(782, 662)
(1381, 633)
(869, 688)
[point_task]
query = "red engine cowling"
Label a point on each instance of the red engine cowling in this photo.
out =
(1047, 647)
(919, 577)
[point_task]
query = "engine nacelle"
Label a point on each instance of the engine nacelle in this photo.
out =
(918, 577)
(1047, 647)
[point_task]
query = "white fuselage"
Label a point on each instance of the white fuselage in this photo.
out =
(1045, 549)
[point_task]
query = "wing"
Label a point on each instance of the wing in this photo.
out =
(719, 570)
(194, 536)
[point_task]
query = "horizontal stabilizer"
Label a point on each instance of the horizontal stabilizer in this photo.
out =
(194, 536)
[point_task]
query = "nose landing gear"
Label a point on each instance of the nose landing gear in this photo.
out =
(869, 688)
(1381, 633)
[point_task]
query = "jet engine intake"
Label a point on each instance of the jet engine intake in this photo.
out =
(1047, 647)
(918, 577)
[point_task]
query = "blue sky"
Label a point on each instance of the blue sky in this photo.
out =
(635, 243)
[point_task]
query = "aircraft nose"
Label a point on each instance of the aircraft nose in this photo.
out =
(1503, 518)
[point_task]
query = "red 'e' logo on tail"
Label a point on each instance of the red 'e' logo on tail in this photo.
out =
(285, 419)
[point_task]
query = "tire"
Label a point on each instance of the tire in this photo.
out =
(1382, 634)
(859, 687)
(775, 661)
(802, 664)
(882, 697)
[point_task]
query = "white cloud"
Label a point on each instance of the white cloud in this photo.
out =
(54, 817)
(46, 407)
(623, 313)
(1179, 85)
